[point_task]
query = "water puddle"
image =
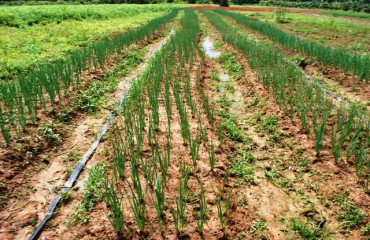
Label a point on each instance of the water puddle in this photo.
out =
(223, 79)
(237, 100)
(209, 48)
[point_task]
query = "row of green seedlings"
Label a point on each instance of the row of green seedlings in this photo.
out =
(21, 100)
(358, 64)
(349, 135)
(147, 178)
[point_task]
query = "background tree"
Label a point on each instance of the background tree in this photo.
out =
(241, 2)
(224, 3)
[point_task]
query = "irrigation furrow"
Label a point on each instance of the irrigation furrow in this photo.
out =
(287, 207)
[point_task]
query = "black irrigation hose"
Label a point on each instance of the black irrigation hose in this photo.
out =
(76, 172)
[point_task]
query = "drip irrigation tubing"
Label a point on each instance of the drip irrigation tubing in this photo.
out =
(76, 172)
(335, 97)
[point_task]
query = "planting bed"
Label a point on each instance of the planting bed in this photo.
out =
(220, 136)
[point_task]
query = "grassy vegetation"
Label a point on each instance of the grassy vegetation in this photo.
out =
(351, 217)
(231, 129)
(90, 99)
(329, 31)
(258, 229)
(92, 194)
(347, 14)
(241, 166)
(23, 16)
(229, 62)
(25, 48)
(305, 229)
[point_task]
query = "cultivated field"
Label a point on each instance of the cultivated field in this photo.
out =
(165, 122)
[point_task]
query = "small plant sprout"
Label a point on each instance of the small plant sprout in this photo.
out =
(212, 156)
(114, 202)
(201, 212)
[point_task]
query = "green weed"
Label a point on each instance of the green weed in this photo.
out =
(258, 227)
(351, 217)
(49, 131)
(92, 194)
(305, 230)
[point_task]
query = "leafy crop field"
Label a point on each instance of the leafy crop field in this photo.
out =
(165, 122)
(34, 35)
